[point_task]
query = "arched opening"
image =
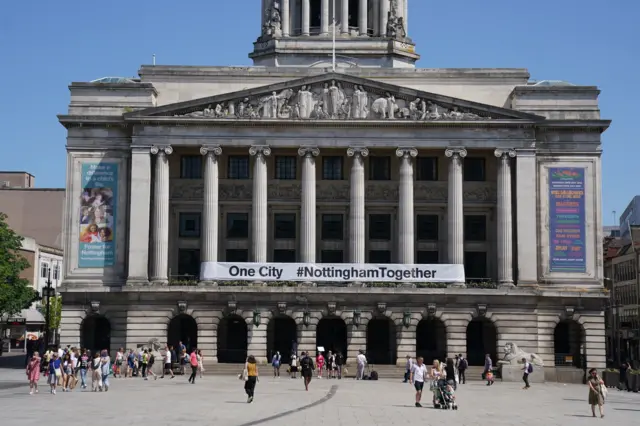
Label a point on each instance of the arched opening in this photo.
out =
(183, 328)
(331, 333)
(568, 339)
(482, 338)
(381, 341)
(232, 340)
(431, 340)
(282, 333)
(96, 333)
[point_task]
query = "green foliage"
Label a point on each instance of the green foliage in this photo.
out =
(15, 292)
(55, 311)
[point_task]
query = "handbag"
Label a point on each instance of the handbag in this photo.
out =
(58, 372)
(245, 373)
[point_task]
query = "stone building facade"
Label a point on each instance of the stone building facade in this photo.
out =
(373, 162)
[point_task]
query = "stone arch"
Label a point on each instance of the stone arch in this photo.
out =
(282, 336)
(569, 339)
(232, 338)
(481, 339)
(381, 340)
(95, 332)
(183, 328)
(332, 334)
(431, 339)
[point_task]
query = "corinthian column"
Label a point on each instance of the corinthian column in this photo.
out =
(286, 20)
(455, 207)
(406, 233)
(324, 17)
(160, 263)
(384, 17)
(345, 16)
(363, 17)
(306, 17)
(308, 210)
(505, 224)
(356, 211)
(209, 239)
(259, 219)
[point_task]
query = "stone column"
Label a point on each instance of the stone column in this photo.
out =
(306, 17)
(257, 340)
(363, 17)
(406, 342)
(405, 15)
(505, 224)
(455, 214)
(356, 210)
(345, 17)
(286, 20)
(376, 18)
(160, 263)
(260, 219)
(356, 341)
(527, 217)
(308, 209)
(209, 240)
(324, 17)
(140, 214)
(384, 16)
(406, 234)
(307, 337)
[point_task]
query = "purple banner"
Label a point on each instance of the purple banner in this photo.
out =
(567, 220)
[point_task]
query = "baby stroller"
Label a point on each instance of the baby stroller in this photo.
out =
(441, 399)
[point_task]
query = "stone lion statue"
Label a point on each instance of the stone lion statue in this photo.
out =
(513, 355)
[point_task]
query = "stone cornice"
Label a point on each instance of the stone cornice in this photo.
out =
(574, 125)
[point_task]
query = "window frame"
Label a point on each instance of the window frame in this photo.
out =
(182, 219)
(370, 236)
(325, 160)
(322, 226)
(228, 230)
(465, 167)
(237, 175)
(186, 163)
(420, 176)
(275, 227)
(290, 163)
(386, 162)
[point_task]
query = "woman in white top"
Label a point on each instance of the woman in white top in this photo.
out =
(293, 366)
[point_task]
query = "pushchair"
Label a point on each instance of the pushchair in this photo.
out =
(440, 397)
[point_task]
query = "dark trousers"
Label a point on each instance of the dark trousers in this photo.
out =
(144, 370)
(192, 377)
(250, 386)
(525, 378)
(462, 377)
(407, 375)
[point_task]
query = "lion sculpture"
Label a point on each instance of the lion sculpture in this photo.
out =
(513, 355)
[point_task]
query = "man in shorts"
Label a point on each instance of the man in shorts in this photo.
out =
(167, 362)
(306, 364)
(418, 376)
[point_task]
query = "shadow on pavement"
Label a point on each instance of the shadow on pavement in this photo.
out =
(13, 361)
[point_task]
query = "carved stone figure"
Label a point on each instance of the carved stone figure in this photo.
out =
(360, 103)
(336, 99)
(273, 23)
(325, 98)
(305, 102)
(395, 24)
(418, 109)
(318, 112)
(513, 355)
(385, 107)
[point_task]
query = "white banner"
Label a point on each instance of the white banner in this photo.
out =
(330, 272)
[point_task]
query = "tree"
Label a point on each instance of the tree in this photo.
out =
(55, 311)
(15, 292)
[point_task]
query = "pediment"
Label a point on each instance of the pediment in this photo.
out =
(331, 96)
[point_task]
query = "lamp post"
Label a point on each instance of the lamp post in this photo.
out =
(48, 292)
(615, 318)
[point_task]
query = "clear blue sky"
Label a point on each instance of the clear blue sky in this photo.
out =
(45, 45)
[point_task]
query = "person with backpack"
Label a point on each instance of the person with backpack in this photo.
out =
(528, 369)
(152, 359)
(306, 364)
(462, 367)
(339, 364)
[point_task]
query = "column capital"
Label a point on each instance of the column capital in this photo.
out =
(455, 152)
(308, 151)
(406, 151)
(156, 149)
(357, 151)
(504, 152)
(257, 150)
(211, 149)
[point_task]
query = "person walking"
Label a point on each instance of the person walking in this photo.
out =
(83, 366)
(339, 364)
(596, 392)
(293, 366)
(527, 369)
(306, 364)
(55, 372)
(417, 376)
(275, 363)
(361, 362)
(320, 363)
(167, 362)
(251, 378)
(117, 371)
(488, 368)
(105, 369)
(450, 371)
(96, 377)
(193, 362)
(463, 364)
(407, 369)
(150, 362)
(33, 372)
(145, 363)
(200, 362)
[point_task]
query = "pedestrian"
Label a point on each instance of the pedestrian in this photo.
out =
(200, 363)
(527, 369)
(307, 367)
(251, 377)
(185, 359)
(55, 372)
(361, 362)
(33, 372)
(339, 364)
(275, 363)
(83, 366)
(167, 362)
(96, 377)
(105, 369)
(450, 371)
(151, 360)
(67, 372)
(293, 366)
(145, 363)
(624, 376)
(417, 376)
(462, 368)
(117, 371)
(407, 369)
(320, 363)
(331, 365)
(488, 368)
(597, 392)
(193, 362)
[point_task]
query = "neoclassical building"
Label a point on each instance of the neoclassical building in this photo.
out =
(375, 161)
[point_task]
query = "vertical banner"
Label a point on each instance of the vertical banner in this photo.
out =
(98, 215)
(567, 220)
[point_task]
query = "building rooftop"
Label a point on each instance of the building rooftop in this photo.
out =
(115, 80)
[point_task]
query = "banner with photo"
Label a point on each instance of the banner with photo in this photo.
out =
(98, 206)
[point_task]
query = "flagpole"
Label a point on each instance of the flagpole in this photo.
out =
(333, 53)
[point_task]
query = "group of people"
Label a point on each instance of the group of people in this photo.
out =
(332, 365)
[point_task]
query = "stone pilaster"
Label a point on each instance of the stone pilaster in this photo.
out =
(324, 17)
(306, 17)
(257, 341)
(455, 214)
(357, 205)
(527, 218)
(384, 17)
(406, 343)
(260, 218)
(356, 341)
(307, 339)
(286, 19)
(406, 234)
(308, 208)
(505, 221)
(363, 17)
(160, 263)
(405, 15)
(344, 17)
(209, 240)
(139, 217)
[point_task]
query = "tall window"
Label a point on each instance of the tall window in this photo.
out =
(286, 167)
(474, 169)
(380, 227)
(44, 270)
(284, 226)
(237, 255)
(332, 256)
(191, 167)
(237, 225)
(475, 264)
(427, 227)
(427, 168)
(238, 167)
(56, 272)
(475, 227)
(284, 256)
(189, 225)
(332, 227)
(379, 168)
(189, 262)
(332, 168)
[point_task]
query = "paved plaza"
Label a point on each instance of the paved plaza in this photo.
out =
(221, 401)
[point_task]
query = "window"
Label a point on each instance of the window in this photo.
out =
(191, 167)
(474, 170)
(56, 272)
(284, 256)
(379, 256)
(332, 227)
(44, 270)
(475, 228)
(189, 262)
(427, 227)
(237, 225)
(237, 255)
(238, 167)
(427, 257)
(286, 167)
(380, 227)
(284, 226)
(475, 264)
(332, 168)
(379, 168)
(331, 256)
(427, 168)
(189, 225)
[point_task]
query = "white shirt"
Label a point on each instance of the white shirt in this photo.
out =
(74, 360)
(167, 357)
(419, 372)
(60, 353)
(361, 359)
(526, 368)
(294, 362)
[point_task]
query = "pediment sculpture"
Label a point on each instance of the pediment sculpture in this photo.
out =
(273, 21)
(333, 100)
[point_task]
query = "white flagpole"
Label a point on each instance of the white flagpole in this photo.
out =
(333, 54)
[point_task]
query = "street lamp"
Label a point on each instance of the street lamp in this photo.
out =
(48, 292)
